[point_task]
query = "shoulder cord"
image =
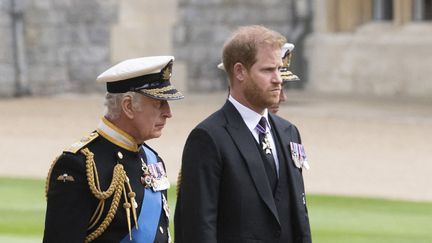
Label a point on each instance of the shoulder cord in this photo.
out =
(116, 187)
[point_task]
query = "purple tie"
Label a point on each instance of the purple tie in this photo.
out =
(264, 144)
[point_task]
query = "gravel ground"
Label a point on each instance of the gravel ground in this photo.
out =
(356, 145)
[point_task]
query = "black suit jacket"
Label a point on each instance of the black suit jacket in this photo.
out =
(224, 195)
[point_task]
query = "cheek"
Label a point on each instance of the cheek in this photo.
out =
(153, 120)
(145, 122)
(262, 80)
(149, 123)
(143, 126)
(149, 116)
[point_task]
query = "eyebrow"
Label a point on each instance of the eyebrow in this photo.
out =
(270, 67)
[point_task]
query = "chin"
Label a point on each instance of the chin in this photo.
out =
(273, 104)
(156, 135)
(274, 110)
(153, 135)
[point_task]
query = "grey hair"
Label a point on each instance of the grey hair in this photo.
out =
(113, 103)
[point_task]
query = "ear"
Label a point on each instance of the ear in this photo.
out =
(126, 105)
(239, 71)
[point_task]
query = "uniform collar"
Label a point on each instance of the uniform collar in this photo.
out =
(116, 136)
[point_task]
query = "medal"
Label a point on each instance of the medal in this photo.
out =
(146, 179)
(160, 180)
(154, 176)
(295, 154)
(303, 157)
(266, 145)
(298, 155)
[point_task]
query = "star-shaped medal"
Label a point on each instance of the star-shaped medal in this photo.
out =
(266, 145)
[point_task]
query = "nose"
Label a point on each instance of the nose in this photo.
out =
(278, 77)
(166, 110)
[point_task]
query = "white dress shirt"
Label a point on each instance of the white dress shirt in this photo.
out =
(251, 118)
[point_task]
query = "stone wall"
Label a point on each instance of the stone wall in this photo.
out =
(7, 72)
(379, 59)
(351, 53)
(204, 25)
(66, 44)
(144, 28)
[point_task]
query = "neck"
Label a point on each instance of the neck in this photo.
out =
(242, 100)
(125, 125)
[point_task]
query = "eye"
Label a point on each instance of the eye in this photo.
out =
(269, 70)
(162, 103)
(158, 104)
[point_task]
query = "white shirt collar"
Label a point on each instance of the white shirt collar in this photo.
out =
(250, 117)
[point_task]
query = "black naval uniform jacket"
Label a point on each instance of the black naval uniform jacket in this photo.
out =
(70, 203)
(225, 195)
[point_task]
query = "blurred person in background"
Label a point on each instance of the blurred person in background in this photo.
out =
(287, 76)
(111, 186)
(241, 176)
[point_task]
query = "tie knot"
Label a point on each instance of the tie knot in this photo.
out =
(262, 124)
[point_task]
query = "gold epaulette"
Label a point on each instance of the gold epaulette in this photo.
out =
(179, 179)
(82, 142)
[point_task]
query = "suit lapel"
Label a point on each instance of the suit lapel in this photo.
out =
(244, 140)
(284, 137)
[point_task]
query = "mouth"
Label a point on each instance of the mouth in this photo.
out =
(275, 92)
(161, 125)
(274, 107)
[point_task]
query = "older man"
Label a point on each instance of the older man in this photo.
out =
(110, 186)
(241, 175)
